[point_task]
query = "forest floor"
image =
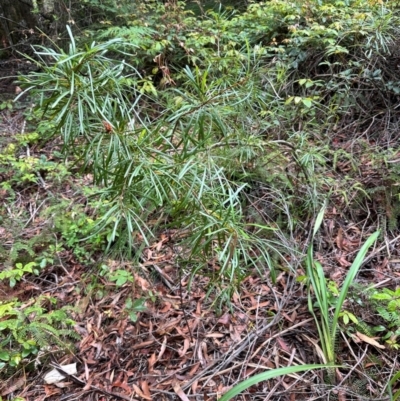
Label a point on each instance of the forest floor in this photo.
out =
(156, 335)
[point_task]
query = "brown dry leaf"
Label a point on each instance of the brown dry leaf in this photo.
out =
(123, 385)
(140, 393)
(287, 317)
(283, 344)
(182, 331)
(168, 326)
(194, 386)
(145, 388)
(144, 344)
(179, 392)
(163, 348)
(159, 245)
(225, 319)
(380, 270)
(369, 340)
(15, 386)
(260, 305)
(265, 289)
(122, 382)
(215, 335)
(342, 260)
(198, 308)
(236, 298)
(166, 308)
(88, 384)
(152, 361)
(86, 371)
(62, 384)
(200, 355)
(169, 268)
(194, 369)
(250, 372)
(50, 390)
(235, 334)
(142, 283)
(82, 304)
(339, 238)
(186, 345)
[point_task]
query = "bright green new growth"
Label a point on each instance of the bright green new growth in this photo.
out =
(327, 325)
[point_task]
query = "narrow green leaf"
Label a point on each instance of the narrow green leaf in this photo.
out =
(358, 261)
(269, 375)
(319, 219)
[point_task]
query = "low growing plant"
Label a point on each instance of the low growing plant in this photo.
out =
(328, 325)
(174, 168)
(386, 304)
(15, 274)
(26, 329)
(20, 170)
(133, 307)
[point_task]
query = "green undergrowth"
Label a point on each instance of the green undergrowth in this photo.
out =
(31, 330)
(229, 129)
(182, 122)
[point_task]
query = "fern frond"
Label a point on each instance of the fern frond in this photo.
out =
(363, 328)
(392, 317)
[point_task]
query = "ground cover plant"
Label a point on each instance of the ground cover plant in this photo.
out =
(197, 206)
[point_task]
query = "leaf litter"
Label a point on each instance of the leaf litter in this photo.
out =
(174, 345)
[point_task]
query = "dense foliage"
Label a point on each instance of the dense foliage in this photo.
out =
(180, 117)
(229, 129)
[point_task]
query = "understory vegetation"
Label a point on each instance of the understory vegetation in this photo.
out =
(234, 171)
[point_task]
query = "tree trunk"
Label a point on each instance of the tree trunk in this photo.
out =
(22, 23)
